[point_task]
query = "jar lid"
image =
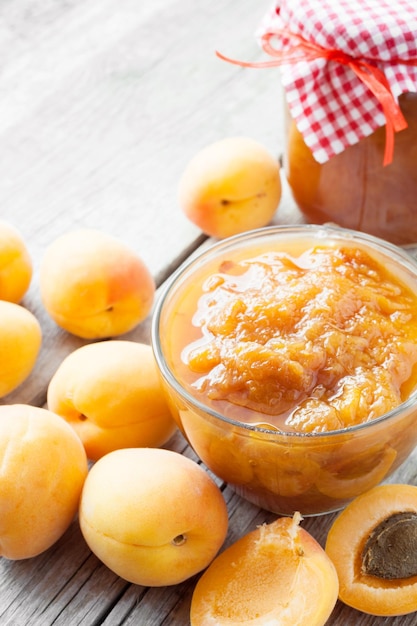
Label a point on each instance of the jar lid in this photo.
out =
(343, 65)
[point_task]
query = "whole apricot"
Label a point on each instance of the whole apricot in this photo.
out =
(275, 574)
(230, 186)
(152, 516)
(43, 468)
(15, 264)
(94, 286)
(110, 393)
(20, 343)
(373, 545)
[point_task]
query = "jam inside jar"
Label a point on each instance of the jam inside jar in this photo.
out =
(354, 189)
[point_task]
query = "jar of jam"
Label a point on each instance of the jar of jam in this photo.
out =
(354, 189)
(349, 74)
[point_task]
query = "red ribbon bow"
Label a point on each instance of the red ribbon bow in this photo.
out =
(369, 74)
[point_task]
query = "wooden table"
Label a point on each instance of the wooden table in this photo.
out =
(102, 104)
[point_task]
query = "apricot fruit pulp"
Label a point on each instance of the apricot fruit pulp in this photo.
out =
(20, 343)
(43, 468)
(152, 515)
(111, 394)
(275, 574)
(93, 285)
(373, 545)
(230, 186)
(15, 264)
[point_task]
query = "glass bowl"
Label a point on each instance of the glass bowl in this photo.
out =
(310, 468)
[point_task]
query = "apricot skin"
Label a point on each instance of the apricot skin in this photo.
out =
(231, 186)
(94, 286)
(20, 343)
(152, 516)
(110, 393)
(15, 264)
(276, 574)
(346, 539)
(43, 468)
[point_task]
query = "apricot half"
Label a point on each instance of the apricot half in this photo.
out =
(152, 516)
(230, 186)
(276, 574)
(94, 286)
(110, 393)
(373, 545)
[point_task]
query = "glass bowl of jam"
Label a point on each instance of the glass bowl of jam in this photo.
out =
(289, 358)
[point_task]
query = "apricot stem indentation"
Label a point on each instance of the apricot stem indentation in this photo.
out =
(179, 540)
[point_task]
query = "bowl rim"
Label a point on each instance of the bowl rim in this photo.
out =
(185, 269)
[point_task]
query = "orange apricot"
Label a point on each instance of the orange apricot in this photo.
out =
(43, 469)
(93, 285)
(20, 344)
(277, 573)
(373, 545)
(152, 515)
(230, 186)
(111, 394)
(15, 264)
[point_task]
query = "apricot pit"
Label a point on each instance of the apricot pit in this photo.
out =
(391, 549)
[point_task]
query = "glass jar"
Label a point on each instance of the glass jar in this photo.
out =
(353, 189)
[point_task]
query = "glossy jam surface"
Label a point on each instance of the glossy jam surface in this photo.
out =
(354, 189)
(315, 342)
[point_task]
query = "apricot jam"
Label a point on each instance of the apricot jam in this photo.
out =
(289, 356)
(353, 189)
(312, 342)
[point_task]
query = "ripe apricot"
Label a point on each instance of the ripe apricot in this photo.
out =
(277, 573)
(152, 516)
(94, 286)
(373, 545)
(110, 393)
(230, 186)
(20, 342)
(43, 468)
(15, 264)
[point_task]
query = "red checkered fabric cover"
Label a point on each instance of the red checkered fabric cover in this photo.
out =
(332, 107)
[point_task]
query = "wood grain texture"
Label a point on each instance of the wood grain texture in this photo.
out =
(102, 104)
